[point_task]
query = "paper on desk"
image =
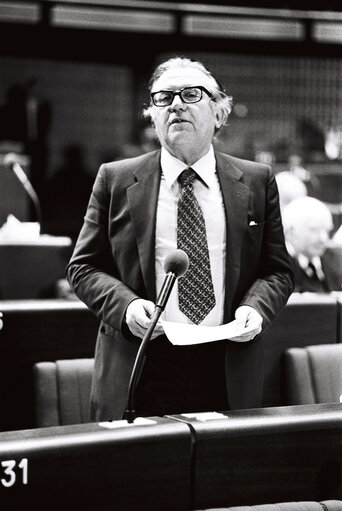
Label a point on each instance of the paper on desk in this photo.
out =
(183, 334)
(15, 230)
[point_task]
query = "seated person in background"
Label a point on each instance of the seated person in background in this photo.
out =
(307, 226)
(290, 187)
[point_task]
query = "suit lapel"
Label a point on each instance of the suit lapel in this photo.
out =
(142, 200)
(235, 197)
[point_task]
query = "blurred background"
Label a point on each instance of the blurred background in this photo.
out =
(73, 84)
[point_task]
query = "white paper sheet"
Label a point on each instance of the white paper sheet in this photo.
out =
(182, 334)
(205, 416)
(139, 421)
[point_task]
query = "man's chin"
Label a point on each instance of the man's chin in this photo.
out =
(180, 127)
(180, 136)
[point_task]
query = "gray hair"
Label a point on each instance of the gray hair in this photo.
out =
(303, 209)
(221, 101)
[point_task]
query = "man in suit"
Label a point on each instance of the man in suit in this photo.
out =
(138, 212)
(316, 262)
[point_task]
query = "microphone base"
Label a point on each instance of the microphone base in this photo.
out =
(130, 416)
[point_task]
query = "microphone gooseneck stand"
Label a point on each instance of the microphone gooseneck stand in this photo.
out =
(176, 264)
(19, 172)
(11, 160)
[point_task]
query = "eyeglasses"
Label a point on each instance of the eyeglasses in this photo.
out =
(187, 95)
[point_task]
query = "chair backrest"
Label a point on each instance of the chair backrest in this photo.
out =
(62, 391)
(314, 374)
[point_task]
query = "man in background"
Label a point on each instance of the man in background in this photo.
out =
(307, 225)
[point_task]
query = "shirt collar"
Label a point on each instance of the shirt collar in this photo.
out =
(303, 260)
(316, 262)
(172, 167)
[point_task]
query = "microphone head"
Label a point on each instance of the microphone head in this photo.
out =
(176, 262)
(11, 158)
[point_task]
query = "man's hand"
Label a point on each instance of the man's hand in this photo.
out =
(138, 316)
(248, 318)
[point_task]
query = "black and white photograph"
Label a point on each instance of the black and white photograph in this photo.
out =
(170, 255)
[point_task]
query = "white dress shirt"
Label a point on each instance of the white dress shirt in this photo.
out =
(210, 199)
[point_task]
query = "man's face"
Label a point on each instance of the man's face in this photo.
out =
(185, 129)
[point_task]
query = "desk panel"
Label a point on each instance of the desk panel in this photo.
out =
(268, 455)
(88, 467)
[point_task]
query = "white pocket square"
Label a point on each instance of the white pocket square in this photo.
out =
(251, 223)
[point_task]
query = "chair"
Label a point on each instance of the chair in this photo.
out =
(62, 391)
(314, 374)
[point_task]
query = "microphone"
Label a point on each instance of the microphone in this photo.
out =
(175, 265)
(12, 160)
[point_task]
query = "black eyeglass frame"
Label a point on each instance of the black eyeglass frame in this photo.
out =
(179, 93)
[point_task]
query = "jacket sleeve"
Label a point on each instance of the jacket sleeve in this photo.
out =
(91, 271)
(275, 281)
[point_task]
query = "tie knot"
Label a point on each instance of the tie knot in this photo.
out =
(187, 177)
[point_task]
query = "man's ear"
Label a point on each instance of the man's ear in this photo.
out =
(218, 119)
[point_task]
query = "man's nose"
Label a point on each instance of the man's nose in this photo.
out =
(177, 103)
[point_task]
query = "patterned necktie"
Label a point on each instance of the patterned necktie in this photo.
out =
(195, 289)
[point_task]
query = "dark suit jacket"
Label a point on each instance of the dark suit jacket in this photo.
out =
(114, 262)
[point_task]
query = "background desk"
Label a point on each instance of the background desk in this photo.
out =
(34, 331)
(31, 269)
